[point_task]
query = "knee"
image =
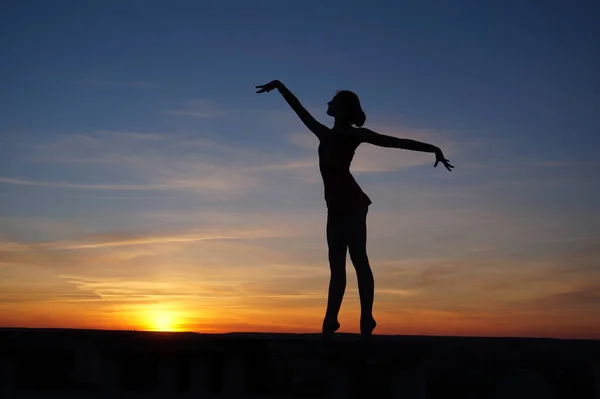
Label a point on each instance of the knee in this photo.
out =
(359, 258)
(337, 254)
(337, 264)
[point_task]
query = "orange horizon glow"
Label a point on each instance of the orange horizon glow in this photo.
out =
(417, 297)
(157, 319)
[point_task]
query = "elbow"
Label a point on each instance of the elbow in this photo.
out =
(386, 141)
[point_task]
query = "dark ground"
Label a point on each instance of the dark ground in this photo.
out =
(295, 365)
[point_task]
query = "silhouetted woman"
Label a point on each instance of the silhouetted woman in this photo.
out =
(347, 204)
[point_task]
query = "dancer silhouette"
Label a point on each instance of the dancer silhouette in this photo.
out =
(347, 204)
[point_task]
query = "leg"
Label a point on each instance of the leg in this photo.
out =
(357, 246)
(337, 243)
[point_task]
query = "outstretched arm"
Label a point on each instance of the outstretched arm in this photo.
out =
(381, 140)
(309, 121)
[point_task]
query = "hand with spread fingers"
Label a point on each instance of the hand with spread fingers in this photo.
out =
(439, 157)
(274, 84)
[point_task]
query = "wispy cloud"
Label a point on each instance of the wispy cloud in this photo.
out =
(111, 240)
(200, 163)
(152, 161)
(125, 187)
(198, 108)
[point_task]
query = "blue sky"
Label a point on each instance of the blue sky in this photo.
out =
(130, 131)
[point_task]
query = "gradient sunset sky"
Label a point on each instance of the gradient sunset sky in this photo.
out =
(144, 184)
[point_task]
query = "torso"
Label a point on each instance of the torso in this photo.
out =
(342, 192)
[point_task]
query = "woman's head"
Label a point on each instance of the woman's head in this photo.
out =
(345, 105)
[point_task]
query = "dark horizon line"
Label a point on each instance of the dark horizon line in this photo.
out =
(257, 334)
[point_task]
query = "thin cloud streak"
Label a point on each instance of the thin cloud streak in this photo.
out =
(122, 187)
(120, 240)
(200, 108)
(170, 167)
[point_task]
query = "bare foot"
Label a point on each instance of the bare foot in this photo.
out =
(330, 327)
(367, 326)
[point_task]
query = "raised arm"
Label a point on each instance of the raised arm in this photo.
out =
(381, 140)
(309, 121)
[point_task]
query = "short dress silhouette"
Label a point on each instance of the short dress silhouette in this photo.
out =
(342, 192)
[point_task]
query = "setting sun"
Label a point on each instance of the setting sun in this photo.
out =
(161, 320)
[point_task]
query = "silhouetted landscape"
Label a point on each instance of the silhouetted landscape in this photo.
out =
(92, 363)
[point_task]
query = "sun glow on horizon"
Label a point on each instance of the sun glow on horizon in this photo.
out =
(161, 320)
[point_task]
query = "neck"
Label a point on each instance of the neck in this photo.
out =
(341, 124)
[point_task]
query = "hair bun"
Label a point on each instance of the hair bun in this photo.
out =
(360, 118)
(352, 103)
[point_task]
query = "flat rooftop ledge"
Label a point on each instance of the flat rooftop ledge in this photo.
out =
(343, 345)
(291, 365)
